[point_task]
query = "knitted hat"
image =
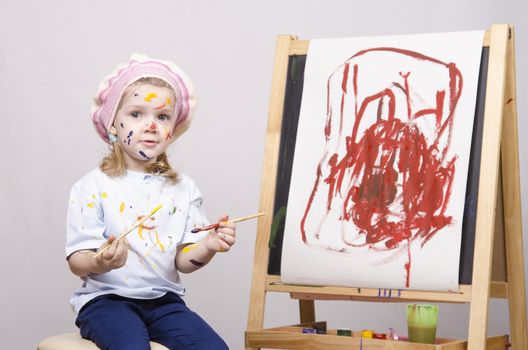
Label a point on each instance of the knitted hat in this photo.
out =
(111, 88)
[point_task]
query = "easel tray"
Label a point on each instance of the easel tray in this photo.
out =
(291, 337)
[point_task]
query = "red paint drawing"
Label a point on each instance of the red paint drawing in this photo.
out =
(387, 167)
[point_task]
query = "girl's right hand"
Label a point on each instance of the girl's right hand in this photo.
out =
(115, 256)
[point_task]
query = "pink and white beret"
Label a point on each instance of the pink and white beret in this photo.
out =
(111, 88)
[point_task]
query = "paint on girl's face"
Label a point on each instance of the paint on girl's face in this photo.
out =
(141, 153)
(150, 96)
(142, 127)
(166, 103)
(168, 134)
(163, 131)
(161, 106)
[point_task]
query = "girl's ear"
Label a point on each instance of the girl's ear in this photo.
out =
(112, 134)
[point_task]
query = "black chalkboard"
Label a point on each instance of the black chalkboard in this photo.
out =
(290, 120)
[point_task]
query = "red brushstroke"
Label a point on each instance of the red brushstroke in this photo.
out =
(391, 154)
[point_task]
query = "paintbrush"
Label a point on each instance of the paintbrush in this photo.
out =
(132, 229)
(215, 226)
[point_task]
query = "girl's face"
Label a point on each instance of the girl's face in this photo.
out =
(144, 124)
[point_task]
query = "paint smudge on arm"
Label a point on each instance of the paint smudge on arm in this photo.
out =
(189, 247)
(196, 263)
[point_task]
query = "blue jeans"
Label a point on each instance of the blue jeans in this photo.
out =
(118, 323)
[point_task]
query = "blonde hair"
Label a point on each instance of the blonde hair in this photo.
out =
(114, 165)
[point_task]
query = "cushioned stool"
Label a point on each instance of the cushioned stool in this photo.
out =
(73, 341)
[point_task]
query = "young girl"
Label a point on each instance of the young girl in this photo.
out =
(132, 291)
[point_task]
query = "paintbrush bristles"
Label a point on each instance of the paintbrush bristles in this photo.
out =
(132, 229)
(155, 210)
(214, 226)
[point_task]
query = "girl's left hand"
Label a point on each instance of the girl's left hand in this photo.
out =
(221, 239)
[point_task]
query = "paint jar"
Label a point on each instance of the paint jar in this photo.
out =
(320, 329)
(367, 333)
(421, 323)
(379, 336)
(309, 330)
(344, 332)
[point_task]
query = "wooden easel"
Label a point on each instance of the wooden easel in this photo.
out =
(498, 225)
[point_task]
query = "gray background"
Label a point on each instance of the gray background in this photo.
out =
(53, 54)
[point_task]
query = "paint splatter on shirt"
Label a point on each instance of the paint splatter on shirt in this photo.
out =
(149, 271)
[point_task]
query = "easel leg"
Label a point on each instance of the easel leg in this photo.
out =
(260, 263)
(489, 174)
(512, 208)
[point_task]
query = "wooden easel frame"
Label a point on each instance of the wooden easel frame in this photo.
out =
(499, 165)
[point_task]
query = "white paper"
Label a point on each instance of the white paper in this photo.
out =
(348, 226)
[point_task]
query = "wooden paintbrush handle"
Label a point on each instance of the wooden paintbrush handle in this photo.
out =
(132, 229)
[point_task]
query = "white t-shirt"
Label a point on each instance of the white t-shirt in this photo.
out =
(101, 206)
